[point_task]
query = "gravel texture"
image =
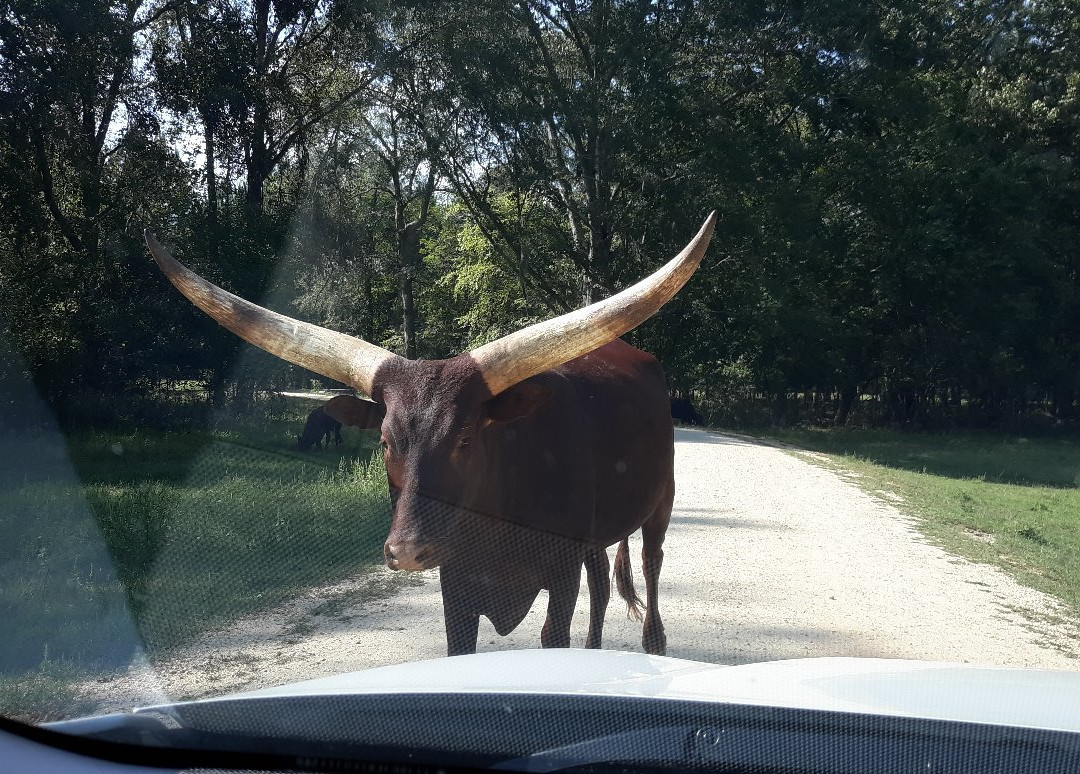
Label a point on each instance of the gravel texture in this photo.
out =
(768, 557)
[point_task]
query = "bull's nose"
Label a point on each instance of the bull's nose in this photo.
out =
(403, 556)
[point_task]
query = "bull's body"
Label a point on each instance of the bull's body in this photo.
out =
(584, 470)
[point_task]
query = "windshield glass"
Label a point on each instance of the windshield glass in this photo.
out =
(292, 384)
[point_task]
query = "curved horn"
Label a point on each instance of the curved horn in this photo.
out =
(517, 356)
(332, 354)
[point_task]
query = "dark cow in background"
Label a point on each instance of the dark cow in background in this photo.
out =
(318, 428)
(326, 420)
(512, 465)
(682, 410)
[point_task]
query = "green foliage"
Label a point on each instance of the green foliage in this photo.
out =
(486, 297)
(896, 185)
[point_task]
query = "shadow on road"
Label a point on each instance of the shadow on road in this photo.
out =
(753, 644)
(733, 522)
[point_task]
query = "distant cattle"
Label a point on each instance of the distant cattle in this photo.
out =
(513, 465)
(325, 421)
(319, 428)
(683, 411)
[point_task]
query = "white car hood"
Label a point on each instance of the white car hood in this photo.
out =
(1029, 698)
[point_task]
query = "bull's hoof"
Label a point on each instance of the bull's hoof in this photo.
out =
(655, 643)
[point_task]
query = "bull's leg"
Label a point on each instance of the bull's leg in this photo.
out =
(653, 531)
(461, 632)
(462, 624)
(596, 571)
(562, 597)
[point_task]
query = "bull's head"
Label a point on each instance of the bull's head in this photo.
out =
(437, 410)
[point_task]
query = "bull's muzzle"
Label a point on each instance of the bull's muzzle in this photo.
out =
(409, 556)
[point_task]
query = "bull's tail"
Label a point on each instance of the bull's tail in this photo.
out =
(624, 582)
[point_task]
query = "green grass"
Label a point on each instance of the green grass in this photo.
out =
(1012, 502)
(115, 542)
(985, 456)
(45, 694)
(248, 529)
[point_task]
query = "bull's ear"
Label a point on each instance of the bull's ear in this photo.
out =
(518, 402)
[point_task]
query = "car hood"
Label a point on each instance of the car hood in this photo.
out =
(1027, 698)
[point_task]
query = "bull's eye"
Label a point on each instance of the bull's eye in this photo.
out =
(385, 445)
(463, 443)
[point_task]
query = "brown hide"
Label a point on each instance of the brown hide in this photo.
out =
(507, 494)
(587, 463)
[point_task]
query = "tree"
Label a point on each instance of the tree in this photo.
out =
(72, 108)
(200, 69)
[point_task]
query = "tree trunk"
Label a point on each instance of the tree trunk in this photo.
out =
(409, 254)
(211, 188)
(257, 173)
(848, 394)
(258, 155)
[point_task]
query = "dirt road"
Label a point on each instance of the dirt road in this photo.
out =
(768, 557)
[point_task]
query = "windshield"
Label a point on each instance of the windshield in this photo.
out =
(293, 384)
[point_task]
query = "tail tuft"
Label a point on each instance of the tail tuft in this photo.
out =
(624, 582)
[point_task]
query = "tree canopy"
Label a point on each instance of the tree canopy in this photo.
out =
(896, 186)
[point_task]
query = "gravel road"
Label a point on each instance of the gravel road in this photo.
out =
(769, 556)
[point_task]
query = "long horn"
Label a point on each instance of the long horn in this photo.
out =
(332, 354)
(517, 356)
